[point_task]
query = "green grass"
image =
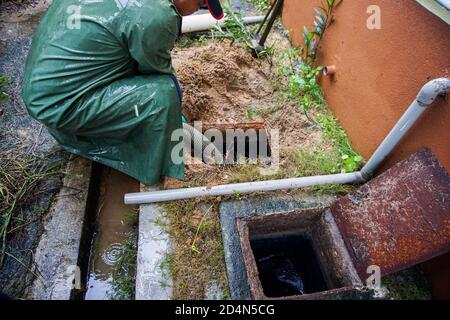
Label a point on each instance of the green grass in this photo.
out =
(19, 178)
(124, 275)
(197, 258)
(261, 5)
(312, 162)
(192, 40)
(410, 284)
(5, 81)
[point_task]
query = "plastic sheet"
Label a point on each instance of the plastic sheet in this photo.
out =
(100, 77)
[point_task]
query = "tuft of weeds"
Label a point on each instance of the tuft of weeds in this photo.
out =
(19, 178)
(409, 284)
(197, 258)
(130, 218)
(194, 40)
(5, 81)
(261, 5)
(233, 28)
(350, 159)
(312, 162)
(124, 275)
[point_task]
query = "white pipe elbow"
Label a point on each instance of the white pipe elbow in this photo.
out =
(431, 90)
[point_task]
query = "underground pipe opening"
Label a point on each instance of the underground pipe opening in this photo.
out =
(241, 142)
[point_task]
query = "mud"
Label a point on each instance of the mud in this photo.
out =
(112, 229)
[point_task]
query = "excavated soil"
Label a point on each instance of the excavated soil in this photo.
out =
(223, 83)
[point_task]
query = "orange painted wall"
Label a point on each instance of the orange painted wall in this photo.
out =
(379, 72)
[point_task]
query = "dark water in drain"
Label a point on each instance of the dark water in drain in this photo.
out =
(288, 266)
(111, 232)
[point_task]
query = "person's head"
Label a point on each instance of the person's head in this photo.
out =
(187, 7)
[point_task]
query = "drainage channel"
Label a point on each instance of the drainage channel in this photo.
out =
(108, 225)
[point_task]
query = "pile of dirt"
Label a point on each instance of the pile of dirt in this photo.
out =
(223, 83)
(220, 82)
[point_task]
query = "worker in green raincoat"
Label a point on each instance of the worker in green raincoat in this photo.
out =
(99, 75)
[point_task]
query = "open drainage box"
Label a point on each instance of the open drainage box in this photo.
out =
(397, 220)
(298, 254)
(248, 141)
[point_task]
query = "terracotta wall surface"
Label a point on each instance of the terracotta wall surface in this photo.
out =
(379, 72)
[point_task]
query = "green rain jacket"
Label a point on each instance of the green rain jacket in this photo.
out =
(99, 75)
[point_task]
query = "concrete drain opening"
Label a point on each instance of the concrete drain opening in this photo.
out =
(287, 255)
(249, 141)
(295, 255)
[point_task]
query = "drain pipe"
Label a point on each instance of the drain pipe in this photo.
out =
(204, 22)
(425, 98)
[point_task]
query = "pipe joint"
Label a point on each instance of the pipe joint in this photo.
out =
(431, 90)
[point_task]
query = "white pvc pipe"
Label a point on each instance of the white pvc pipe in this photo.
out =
(241, 188)
(425, 98)
(203, 22)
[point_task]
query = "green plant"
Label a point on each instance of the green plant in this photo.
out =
(313, 38)
(261, 5)
(130, 218)
(124, 275)
(303, 87)
(4, 82)
(350, 159)
(312, 162)
(19, 179)
(250, 114)
(187, 41)
(233, 27)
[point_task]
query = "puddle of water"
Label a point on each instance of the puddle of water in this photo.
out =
(287, 266)
(111, 232)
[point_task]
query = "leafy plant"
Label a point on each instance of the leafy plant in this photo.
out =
(350, 159)
(261, 5)
(233, 28)
(313, 38)
(304, 85)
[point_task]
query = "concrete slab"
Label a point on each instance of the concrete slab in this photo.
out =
(57, 253)
(232, 210)
(152, 282)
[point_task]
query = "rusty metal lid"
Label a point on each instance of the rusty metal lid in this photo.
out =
(398, 219)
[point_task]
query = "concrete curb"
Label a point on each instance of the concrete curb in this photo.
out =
(58, 250)
(152, 282)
